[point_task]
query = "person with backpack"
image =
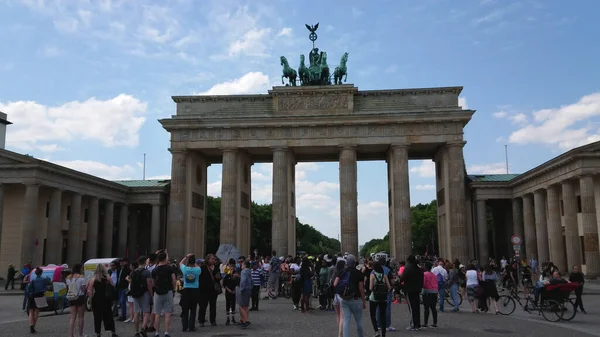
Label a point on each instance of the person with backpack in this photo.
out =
(350, 286)
(442, 276)
(76, 285)
(101, 289)
(142, 291)
(378, 299)
(165, 285)
(430, 292)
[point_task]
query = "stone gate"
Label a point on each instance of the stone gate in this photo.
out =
(312, 124)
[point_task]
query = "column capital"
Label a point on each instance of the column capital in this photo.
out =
(349, 147)
(229, 149)
(279, 148)
(179, 151)
(400, 146)
(456, 143)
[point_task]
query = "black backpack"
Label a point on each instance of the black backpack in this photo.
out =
(380, 290)
(138, 284)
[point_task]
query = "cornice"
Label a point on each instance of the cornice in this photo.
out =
(219, 98)
(412, 91)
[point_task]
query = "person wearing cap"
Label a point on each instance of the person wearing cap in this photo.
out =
(353, 300)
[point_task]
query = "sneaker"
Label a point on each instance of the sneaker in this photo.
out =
(127, 320)
(167, 334)
(32, 329)
(391, 329)
(377, 334)
(433, 325)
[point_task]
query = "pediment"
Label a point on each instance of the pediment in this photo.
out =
(9, 157)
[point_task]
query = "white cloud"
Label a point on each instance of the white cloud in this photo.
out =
(159, 177)
(110, 172)
(493, 168)
(113, 122)
(251, 43)
(66, 25)
(462, 102)
(519, 118)
(568, 126)
(427, 187)
(426, 169)
(285, 31)
(49, 148)
(252, 82)
(500, 114)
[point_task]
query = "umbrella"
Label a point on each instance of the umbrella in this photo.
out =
(226, 252)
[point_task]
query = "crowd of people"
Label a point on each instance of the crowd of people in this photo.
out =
(143, 292)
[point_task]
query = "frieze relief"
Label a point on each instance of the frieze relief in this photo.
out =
(311, 103)
(316, 132)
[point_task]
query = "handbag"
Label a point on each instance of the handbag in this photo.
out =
(110, 292)
(217, 285)
(40, 302)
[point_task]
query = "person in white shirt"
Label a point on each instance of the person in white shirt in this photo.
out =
(503, 263)
(442, 276)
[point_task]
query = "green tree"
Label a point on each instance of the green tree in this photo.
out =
(424, 232)
(311, 240)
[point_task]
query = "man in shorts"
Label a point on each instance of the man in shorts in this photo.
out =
(165, 284)
(141, 290)
(274, 273)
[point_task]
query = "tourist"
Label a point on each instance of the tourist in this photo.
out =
(339, 266)
(490, 291)
(413, 283)
(306, 274)
(274, 273)
(430, 294)
(151, 263)
(230, 283)
(101, 289)
(131, 318)
(10, 277)
(349, 284)
(323, 285)
(296, 283)
(243, 294)
(165, 284)
(36, 291)
(257, 274)
(472, 277)
(210, 281)
(379, 286)
(578, 277)
(189, 296)
(142, 291)
(388, 308)
(453, 285)
(442, 277)
(122, 288)
(76, 284)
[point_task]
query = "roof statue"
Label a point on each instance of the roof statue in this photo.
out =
(317, 72)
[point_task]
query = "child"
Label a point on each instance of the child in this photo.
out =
(230, 282)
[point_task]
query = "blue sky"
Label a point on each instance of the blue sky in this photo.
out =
(85, 81)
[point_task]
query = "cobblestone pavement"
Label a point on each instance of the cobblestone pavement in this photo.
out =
(276, 318)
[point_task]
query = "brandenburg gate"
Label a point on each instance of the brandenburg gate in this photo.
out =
(312, 122)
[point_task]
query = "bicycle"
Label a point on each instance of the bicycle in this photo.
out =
(550, 309)
(447, 298)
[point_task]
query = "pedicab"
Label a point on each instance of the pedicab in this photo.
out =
(561, 293)
(57, 296)
(89, 268)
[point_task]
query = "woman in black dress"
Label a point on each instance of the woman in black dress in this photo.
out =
(102, 291)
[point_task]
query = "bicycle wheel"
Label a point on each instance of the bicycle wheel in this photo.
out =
(569, 311)
(449, 300)
(506, 305)
(552, 310)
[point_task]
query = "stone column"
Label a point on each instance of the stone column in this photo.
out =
(229, 197)
(1, 208)
(279, 230)
(155, 228)
(456, 202)
(53, 234)
(177, 212)
(132, 245)
(572, 241)
(91, 245)
(541, 229)
(74, 237)
(517, 213)
(401, 229)
(556, 242)
(29, 221)
(529, 228)
(348, 200)
(107, 231)
(122, 235)
(482, 232)
(590, 227)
